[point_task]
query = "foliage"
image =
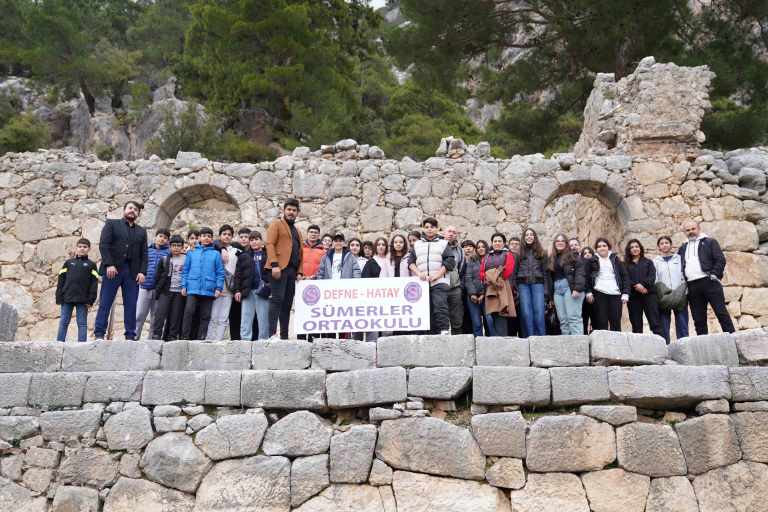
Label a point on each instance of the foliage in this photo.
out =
(187, 131)
(23, 132)
(232, 147)
(104, 152)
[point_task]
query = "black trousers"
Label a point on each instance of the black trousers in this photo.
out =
(166, 322)
(607, 310)
(197, 307)
(455, 310)
(647, 304)
(281, 300)
(703, 292)
(588, 315)
(235, 312)
(438, 308)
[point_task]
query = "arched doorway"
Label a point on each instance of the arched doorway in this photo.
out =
(196, 206)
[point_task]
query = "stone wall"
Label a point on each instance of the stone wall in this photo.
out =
(607, 422)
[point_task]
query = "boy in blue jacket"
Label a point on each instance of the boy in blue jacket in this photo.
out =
(145, 305)
(202, 281)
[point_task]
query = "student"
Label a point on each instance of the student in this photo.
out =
(378, 265)
(587, 307)
(514, 325)
(670, 282)
(145, 304)
(202, 281)
(501, 259)
(574, 245)
(532, 283)
(169, 302)
(222, 304)
(339, 262)
(568, 275)
(642, 295)
(431, 260)
(284, 260)
(368, 251)
(455, 292)
(312, 252)
(243, 239)
(609, 287)
(251, 288)
(356, 248)
(192, 238)
(413, 237)
(77, 289)
(398, 257)
(514, 245)
(482, 249)
(235, 311)
(327, 242)
(474, 286)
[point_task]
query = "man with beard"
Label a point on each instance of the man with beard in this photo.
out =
(284, 259)
(123, 248)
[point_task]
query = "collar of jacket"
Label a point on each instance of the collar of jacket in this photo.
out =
(435, 239)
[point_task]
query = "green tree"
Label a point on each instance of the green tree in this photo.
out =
(187, 131)
(159, 34)
(24, 132)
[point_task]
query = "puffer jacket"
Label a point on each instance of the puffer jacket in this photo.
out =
(349, 267)
(203, 272)
(532, 270)
(576, 272)
(154, 255)
(472, 282)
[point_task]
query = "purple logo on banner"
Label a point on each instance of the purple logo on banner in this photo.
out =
(412, 292)
(311, 295)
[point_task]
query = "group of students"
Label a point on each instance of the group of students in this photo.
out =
(195, 288)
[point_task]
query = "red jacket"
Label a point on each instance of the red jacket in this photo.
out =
(311, 258)
(509, 264)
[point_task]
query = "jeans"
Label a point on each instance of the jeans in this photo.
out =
(702, 292)
(532, 308)
(166, 320)
(197, 307)
(219, 318)
(476, 316)
(681, 322)
(145, 306)
(81, 319)
(648, 304)
(438, 307)
(281, 301)
(257, 306)
(455, 309)
(568, 308)
(125, 281)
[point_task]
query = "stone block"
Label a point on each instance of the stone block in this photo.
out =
(738, 487)
(749, 383)
(134, 495)
(579, 385)
(67, 425)
(336, 355)
(502, 351)
(346, 497)
(615, 490)
(671, 494)
(752, 431)
(298, 434)
(352, 454)
(15, 388)
(166, 424)
(569, 444)
(441, 383)
(415, 492)
(21, 357)
(366, 387)
(75, 499)
(708, 442)
(252, 483)
(713, 407)
(503, 385)
(283, 389)
(281, 355)
(621, 348)
(51, 390)
(16, 428)
(548, 351)
(222, 388)
(105, 387)
(752, 346)
(168, 387)
(41, 457)
(500, 434)
(9, 320)
(89, 466)
(669, 386)
(309, 476)
(111, 356)
(615, 415)
(237, 435)
(506, 473)
(650, 449)
(426, 350)
(381, 473)
(129, 430)
(550, 491)
(710, 349)
(174, 461)
(197, 355)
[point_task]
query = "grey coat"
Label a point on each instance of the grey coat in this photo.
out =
(349, 267)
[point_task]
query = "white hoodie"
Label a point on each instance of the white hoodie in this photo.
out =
(692, 263)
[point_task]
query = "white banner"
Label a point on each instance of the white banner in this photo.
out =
(361, 305)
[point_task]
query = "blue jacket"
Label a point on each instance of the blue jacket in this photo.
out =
(154, 255)
(203, 272)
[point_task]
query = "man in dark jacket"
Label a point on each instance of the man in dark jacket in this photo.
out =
(123, 248)
(703, 267)
(77, 289)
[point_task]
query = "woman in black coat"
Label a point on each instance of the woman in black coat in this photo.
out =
(642, 280)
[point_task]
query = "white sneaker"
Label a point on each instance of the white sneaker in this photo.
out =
(99, 339)
(445, 333)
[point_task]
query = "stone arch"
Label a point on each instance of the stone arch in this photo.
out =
(170, 207)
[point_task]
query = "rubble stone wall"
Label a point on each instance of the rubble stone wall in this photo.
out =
(610, 421)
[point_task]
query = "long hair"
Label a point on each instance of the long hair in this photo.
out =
(628, 255)
(535, 247)
(484, 244)
(392, 247)
(349, 244)
(589, 250)
(376, 243)
(565, 258)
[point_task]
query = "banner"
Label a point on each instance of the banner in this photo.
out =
(361, 305)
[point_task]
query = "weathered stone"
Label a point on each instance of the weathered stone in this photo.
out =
(615, 490)
(52, 390)
(129, 465)
(649, 449)
(75, 499)
(352, 454)
(608, 347)
(222, 388)
(345, 498)
(550, 491)
(671, 494)
(309, 476)
(507, 473)
(113, 386)
(253, 483)
(751, 406)
(299, 433)
(713, 407)
(111, 356)
(129, 430)
(752, 346)
(232, 436)
(381, 413)
(161, 387)
(23, 357)
(745, 269)
(493, 385)
(65, 425)
(752, 431)
(667, 386)
(424, 493)
(195, 355)
(366, 387)
(284, 389)
(616, 415)
(338, 355)
(740, 487)
(569, 443)
(37, 479)
(16, 428)
(500, 434)
(281, 355)
(498, 351)
(579, 385)
(15, 388)
(547, 351)
(755, 302)
(175, 424)
(174, 461)
(430, 445)
(132, 495)
(381, 473)
(749, 384)
(426, 350)
(444, 383)
(708, 442)
(41, 457)
(733, 235)
(16, 498)
(31, 227)
(710, 349)
(9, 318)
(93, 467)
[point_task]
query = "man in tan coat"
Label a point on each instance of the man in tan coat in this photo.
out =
(284, 258)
